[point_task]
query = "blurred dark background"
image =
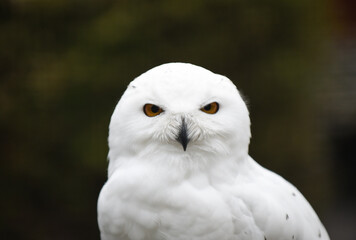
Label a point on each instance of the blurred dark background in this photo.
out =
(65, 64)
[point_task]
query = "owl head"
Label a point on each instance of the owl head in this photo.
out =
(178, 112)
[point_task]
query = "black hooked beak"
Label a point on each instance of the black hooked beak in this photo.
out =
(182, 137)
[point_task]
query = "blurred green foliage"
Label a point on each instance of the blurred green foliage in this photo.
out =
(64, 65)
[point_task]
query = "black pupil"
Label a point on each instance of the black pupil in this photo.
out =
(154, 109)
(207, 107)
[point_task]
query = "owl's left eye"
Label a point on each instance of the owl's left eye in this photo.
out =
(211, 108)
(152, 110)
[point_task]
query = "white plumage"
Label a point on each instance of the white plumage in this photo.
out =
(213, 189)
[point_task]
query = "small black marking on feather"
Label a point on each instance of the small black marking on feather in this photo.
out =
(293, 237)
(287, 216)
(265, 238)
(293, 194)
(319, 235)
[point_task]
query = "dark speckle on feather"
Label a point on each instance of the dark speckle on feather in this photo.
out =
(287, 216)
(293, 194)
(319, 235)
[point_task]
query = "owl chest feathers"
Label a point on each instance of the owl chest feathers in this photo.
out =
(156, 203)
(150, 202)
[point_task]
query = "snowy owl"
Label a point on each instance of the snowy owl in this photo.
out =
(179, 166)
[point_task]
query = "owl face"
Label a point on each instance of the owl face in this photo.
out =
(179, 109)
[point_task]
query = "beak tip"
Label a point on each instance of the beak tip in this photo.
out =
(184, 141)
(185, 148)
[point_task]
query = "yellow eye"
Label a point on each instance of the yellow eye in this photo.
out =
(211, 108)
(152, 110)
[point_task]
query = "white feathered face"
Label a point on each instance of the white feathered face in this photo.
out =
(179, 110)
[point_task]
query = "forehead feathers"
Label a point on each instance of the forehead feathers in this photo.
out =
(181, 81)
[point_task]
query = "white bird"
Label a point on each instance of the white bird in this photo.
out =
(179, 166)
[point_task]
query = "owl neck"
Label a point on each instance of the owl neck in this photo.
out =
(184, 163)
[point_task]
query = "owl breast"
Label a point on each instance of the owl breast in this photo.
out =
(143, 205)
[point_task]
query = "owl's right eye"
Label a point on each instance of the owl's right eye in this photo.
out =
(152, 110)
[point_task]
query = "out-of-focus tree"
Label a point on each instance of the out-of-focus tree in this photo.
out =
(64, 65)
